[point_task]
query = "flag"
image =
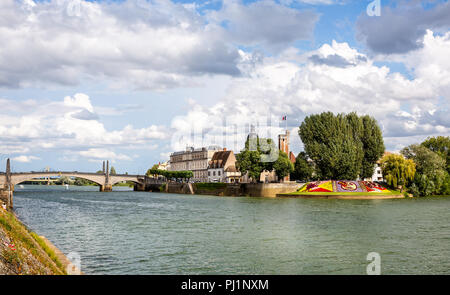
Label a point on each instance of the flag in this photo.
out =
(284, 118)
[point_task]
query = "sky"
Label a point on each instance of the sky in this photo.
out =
(132, 81)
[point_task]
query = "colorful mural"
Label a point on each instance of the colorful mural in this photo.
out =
(343, 186)
(317, 186)
(373, 187)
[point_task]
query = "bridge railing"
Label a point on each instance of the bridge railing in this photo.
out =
(73, 172)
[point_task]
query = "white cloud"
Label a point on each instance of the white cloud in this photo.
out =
(99, 154)
(52, 125)
(25, 159)
(338, 79)
(152, 45)
(137, 44)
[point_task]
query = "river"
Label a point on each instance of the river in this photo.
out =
(126, 232)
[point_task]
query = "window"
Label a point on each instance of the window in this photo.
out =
(209, 173)
(218, 173)
(214, 173)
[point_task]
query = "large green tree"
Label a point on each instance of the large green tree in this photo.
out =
(373, 145)
(341, 146)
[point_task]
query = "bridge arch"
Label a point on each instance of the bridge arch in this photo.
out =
(19, 178)
(113, 179)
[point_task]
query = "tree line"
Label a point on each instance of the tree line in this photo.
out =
(178, 175)
(421, 169)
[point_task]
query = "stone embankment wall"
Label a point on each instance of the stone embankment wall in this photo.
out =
(3, 196)
(6, 197)
(236, 190)
(270, 189)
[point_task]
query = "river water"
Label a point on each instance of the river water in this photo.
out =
(126, 232)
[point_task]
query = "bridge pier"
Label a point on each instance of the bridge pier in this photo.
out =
(106, 188)
(139, 187)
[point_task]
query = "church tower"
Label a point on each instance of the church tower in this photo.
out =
(283, 145)
(283, 142)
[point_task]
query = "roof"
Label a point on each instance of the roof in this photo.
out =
(231, 169)
(219, 159)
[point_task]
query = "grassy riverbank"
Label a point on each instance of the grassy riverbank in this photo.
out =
(23, 251)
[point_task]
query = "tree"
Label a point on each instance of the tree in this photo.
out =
(82, 182)
(303, 169)
(63, 180)
(250, 162)
(259, 154)
(441, 146)
(283, 166)
(112, 171)
(186, 175)
(427, 162)
(373, 146)
(430, 170)
(342, 146)
(397, 170)
(189, 174)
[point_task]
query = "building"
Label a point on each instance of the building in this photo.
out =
(292, 157)
(195, 160)
(164, 166)
(283, 142)
(222, 167)
(378, 173)
(283, 145)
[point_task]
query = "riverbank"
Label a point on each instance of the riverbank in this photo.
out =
(343, 196)
(23, 252)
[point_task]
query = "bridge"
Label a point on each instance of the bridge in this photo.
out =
(105, 180)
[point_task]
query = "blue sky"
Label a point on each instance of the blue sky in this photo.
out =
(86, 81)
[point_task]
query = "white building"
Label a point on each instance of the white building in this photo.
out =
(378, 173)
